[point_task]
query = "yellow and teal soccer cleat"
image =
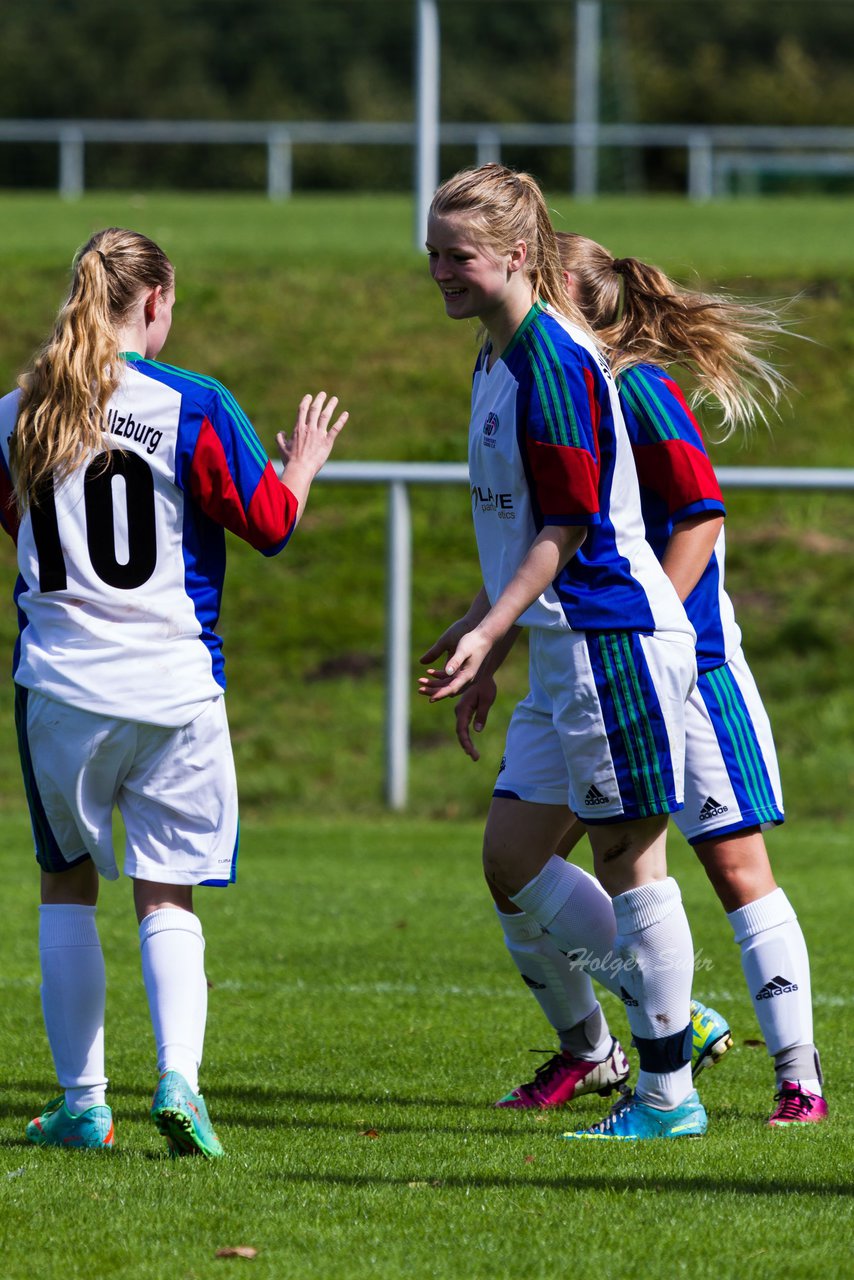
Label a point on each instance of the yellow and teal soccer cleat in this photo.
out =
(711, 1037)
(633, 1121)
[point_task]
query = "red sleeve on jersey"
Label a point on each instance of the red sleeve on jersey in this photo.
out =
(271, 515)
(565, 483)
(679, 473)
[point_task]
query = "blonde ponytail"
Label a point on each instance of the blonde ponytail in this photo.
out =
(642, 316)
(65, 389)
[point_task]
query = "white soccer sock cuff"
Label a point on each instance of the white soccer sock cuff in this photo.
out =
(648, 904)
(765, 913)
(519, 927)
(67, 924)
(545, 895)
(170, 918)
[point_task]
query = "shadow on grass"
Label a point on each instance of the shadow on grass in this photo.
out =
(577, 1182)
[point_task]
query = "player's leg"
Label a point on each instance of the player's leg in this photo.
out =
(732, 789)
(573, 924)
(626, 769)
(179, 805)
(70, 760)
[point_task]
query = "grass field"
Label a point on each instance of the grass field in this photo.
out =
(363, 1013)
(363, 1016)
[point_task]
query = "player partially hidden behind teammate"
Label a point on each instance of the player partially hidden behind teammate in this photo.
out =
(732, 787)
(560, 539)
(118, 478)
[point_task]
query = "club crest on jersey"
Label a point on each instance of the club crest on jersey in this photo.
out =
(490, 427)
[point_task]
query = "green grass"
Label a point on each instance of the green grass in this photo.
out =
(329, 291)
(359, 984)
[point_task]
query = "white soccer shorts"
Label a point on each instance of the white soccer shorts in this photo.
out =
(603, 727)
(732, 779)
(175, 789)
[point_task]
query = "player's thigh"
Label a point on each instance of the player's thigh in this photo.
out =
(179, 803)
(732, 779)
(73, 763)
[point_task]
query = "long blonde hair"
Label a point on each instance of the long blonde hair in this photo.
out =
(642, 316)
(504, 207)
(66, 387)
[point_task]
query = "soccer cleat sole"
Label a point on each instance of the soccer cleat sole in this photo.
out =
(177, 1128)
(713, 1054)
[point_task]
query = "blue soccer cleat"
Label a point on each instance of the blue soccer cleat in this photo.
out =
(632, 1120)
(59, 1127)
(711, 1037)
(181, 1116)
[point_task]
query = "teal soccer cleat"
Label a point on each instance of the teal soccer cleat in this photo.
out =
(59, 1127)
(632, 1120)
(181, 1116)
(711, 1037)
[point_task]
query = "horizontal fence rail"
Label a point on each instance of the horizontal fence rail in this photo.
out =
(821, 148)
(398, 476)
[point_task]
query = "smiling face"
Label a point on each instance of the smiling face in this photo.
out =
(474, 279)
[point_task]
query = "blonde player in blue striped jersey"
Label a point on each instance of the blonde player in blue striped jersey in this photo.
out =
(560, 539)
(732, 779)
(118, 478)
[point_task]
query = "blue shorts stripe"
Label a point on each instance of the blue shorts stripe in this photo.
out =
(632, 712)
(734, 730)
(48, 853)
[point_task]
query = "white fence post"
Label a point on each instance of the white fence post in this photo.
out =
(71, 163)
(398, 643)
(279, 165)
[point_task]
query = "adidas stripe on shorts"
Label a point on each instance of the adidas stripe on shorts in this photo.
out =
(175, 789)
(603, 727)
(732, 780)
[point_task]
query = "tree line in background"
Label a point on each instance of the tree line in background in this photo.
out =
(664, 61)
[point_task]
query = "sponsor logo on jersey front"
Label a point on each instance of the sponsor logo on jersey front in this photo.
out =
(500, 503)
(490, 427)
(712, 809)
(776, 987)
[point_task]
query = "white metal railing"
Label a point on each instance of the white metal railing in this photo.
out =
(583, 140)
(398, 476)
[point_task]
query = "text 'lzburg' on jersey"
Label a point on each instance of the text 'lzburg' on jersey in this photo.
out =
(677, 481)
(548, 446)
(122, 562)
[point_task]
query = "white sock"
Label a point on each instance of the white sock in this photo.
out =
(173, 969)
(575, 910)
(777, 968)
(654, 943)
(73, 994)
(562, 989)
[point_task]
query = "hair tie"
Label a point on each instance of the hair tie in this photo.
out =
(620, 264)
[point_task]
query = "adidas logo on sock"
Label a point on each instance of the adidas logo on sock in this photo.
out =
(712, 809)
(628, 1001)
(776, 987)
(594, 796)
(535, 986)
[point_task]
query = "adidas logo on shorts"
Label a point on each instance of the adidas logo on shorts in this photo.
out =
(712, 809)
(594, 796)
(629, 1001)
(776, 987)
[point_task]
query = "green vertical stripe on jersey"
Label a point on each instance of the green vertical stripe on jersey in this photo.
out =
(545, 360)
(746, 750)
(646, 404)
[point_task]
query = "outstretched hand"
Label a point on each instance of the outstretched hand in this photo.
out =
(310, 443)
(461, 669)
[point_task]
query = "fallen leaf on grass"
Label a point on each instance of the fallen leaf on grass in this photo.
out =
(753, 1044)
(369, 1133)
(530, 1159)
(237, 1251)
